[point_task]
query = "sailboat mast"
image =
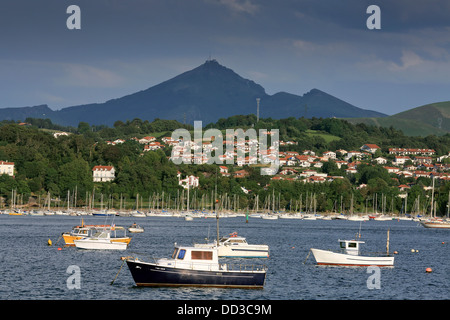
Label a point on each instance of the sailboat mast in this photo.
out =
(387, 243)
(432, 199)
(217, 211)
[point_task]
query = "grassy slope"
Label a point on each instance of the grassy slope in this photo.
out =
(421, 121)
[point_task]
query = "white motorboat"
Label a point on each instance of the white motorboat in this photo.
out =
(135, 228)
(100, 241)
(235, 246)
(192, 266)
(350, 256)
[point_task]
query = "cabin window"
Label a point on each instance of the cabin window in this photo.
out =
(181, 254)
(342, 245)
(174, 254)
(201, 255)
(352, 244)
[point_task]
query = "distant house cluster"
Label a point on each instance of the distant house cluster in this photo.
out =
(407, 162)
(305, 166)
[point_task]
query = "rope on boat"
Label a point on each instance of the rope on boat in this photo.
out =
(59, 238)
(309, 252)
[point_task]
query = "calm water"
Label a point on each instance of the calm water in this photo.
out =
(30, 269)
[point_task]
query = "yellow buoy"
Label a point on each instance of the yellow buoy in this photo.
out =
(49, 242)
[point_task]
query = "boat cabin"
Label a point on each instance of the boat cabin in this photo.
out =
(193, 254)
(192, 258)
(227, 241)
(350, 246)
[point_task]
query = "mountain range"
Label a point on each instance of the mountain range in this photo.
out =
(208, 92)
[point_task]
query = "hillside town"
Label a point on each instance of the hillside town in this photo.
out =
(305, 166)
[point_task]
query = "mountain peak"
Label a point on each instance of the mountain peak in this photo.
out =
(208, 92)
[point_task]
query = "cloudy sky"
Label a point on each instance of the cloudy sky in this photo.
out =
(125, 46)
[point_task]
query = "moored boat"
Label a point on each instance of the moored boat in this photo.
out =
(436, 224)
(235, 246)
(350, 256)
(191, 266)
(83, 230)
(135, 228)
(138, 214)
(100, 241)
(269, 216)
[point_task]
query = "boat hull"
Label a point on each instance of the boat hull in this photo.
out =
(153, 275)
(94, 244)
(244, 251)
(436, 225)
(69, 239)
(325, 257)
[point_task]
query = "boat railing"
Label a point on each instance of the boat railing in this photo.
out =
(367, 253)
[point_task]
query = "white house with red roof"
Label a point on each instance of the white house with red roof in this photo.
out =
(103, 173)
(372, 148)
(7, 168)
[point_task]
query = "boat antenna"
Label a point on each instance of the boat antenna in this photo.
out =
(217, 211)
(358, 235)
(387, 243)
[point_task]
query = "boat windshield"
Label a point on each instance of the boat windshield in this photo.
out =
(174, 254)
(348, 244)
(181, 254)
(352, 245)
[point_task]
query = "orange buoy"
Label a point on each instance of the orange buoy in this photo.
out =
(395, 252)
(428, 270)
(59, 249)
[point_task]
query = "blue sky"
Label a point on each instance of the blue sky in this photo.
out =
(125, 46)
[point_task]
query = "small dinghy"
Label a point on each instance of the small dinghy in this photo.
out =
(135, 228)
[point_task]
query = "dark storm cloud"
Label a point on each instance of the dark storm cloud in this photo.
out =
(289, 45)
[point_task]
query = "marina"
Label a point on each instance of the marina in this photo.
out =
(31, 269)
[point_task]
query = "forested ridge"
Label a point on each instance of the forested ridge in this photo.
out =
(48, 165)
